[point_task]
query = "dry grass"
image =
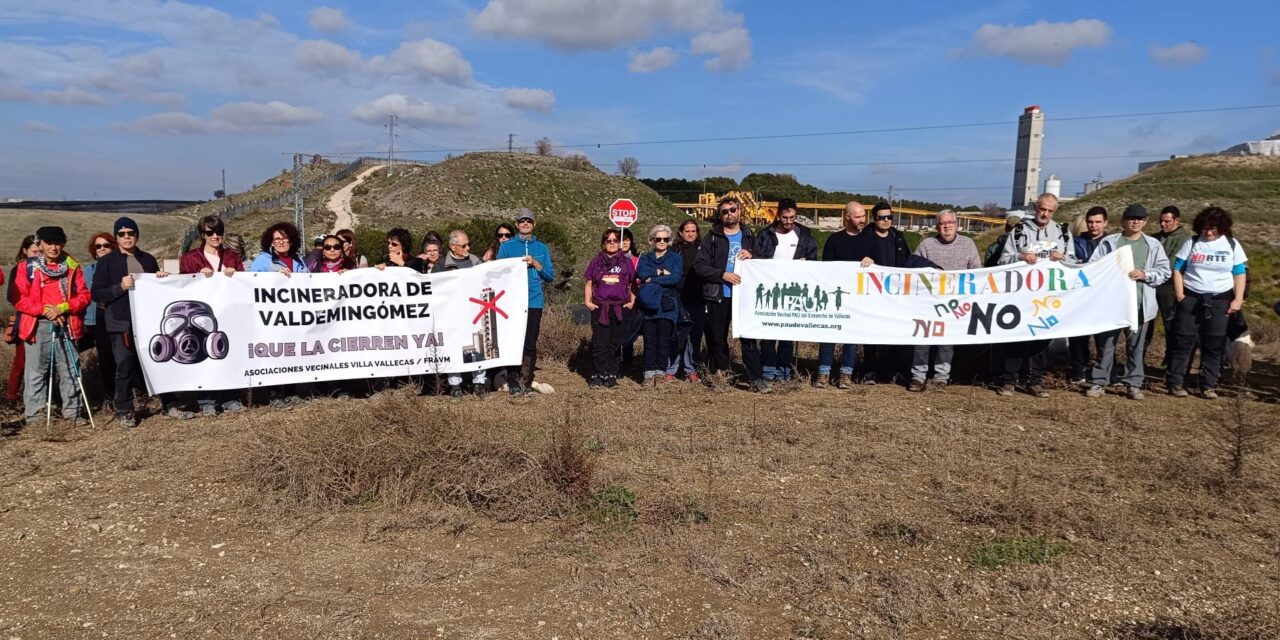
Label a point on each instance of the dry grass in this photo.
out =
(397, 451)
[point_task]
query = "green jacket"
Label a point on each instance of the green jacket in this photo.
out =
(1173, 240)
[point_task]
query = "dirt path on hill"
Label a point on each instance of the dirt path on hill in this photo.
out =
(340, 202)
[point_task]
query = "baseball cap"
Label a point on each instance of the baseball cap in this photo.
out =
(1134, 212)
(524, 213)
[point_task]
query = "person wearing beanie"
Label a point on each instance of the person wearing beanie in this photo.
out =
(112, 281)
(52, 298)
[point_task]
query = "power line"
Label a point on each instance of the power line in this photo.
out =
(904, 129)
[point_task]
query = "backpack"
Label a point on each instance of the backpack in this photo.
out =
(992, 257)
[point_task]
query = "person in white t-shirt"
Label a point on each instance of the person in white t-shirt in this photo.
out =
(783, 240)
(1208, 284)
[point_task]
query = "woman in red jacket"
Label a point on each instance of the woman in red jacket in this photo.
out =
(208, 259)
(52, 297)
(28, 249)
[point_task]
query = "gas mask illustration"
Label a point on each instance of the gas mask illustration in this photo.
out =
(189, 334)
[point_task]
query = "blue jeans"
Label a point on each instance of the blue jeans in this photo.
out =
(826, 355)
(777, 358)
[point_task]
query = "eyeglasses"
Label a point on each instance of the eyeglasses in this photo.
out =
(888, 217)
(662, 239)
(101, 245)
(393, 243)
(333, 247)
(125, 233)
(611, 241)
(208, 233)
(729, 210)
(504, 235)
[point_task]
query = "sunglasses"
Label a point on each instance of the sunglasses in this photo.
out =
(333, 247)
(611, 241)
(126, 234)
(504, 235)
(729, 210)
(888, 217)
(101, 245)
(662, 239)
(464, 245)
(208, 233)
(524, 221)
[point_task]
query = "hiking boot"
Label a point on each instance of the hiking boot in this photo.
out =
(1178, 392)
(455, 392)
(127, 420)
(514, 390)
(178, 413)
(843, 382)
(936, 384)
(761, 386)
(1135, 393)
(917, 386)
(233, 406)
(610, 382)
(1209, 394)
(1094, 391)
(820, 382)
(595, 382)
(279, 404)
(208, 410)
(1005, 391)
(295, 401)
(1038, 391)
(869, 379)
(479, 389)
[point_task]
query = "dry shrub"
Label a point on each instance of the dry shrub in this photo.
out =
(401, 449)
(560, 339)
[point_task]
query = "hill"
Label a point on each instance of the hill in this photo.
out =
(478, 190)
(1247, 186)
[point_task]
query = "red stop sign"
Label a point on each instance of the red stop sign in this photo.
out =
(623, 213)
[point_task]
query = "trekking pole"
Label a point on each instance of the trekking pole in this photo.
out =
(48, 403)
(73, 358)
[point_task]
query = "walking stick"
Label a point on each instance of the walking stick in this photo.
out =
(73, 358)
(48, 403)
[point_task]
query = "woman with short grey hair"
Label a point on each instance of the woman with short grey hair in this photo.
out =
(659, 272)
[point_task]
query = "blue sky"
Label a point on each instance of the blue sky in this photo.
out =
(105, 99)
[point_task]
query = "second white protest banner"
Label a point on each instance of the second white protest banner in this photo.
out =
(843, 303)
(258, 329)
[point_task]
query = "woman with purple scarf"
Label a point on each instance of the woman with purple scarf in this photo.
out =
(608, 296)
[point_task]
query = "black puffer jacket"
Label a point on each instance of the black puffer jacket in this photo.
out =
(690, 286)
(713, 256)
(111, 269)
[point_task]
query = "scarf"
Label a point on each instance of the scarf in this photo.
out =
(58, 270)
(334, 266)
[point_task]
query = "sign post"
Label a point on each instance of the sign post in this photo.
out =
(623, 213)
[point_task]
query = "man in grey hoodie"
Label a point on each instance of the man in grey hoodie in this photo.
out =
(1037, 238)
(459, 256)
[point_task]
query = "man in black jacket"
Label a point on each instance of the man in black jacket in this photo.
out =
(726, 243)
(112, 280)
(882, 244)
(783, 240)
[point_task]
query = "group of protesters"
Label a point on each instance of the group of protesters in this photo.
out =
(63, 306)
(677, 296)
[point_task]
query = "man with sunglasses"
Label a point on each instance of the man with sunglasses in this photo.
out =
(112, 281)
(210, 258)
(718, 253)
(882, 244)
(783, 240)
(1037, 238)
(537, 257)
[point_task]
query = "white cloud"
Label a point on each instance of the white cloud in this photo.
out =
(167, 99)
(73, 96)
(1046, 43)
(653, 60)
(731, 48)
(539, 100)
(328, 20)
(148, 65)
(36, 126)
(431, 58)
(324, 55)
(591, 24)
(1178, 55)
(238, 117)
(10, 92)
(410, 110)
(171, 123)
(252, 116)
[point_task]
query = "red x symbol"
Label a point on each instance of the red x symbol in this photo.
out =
(486, 307)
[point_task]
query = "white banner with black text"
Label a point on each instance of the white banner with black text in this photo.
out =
(260, 329)
(843, 303)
